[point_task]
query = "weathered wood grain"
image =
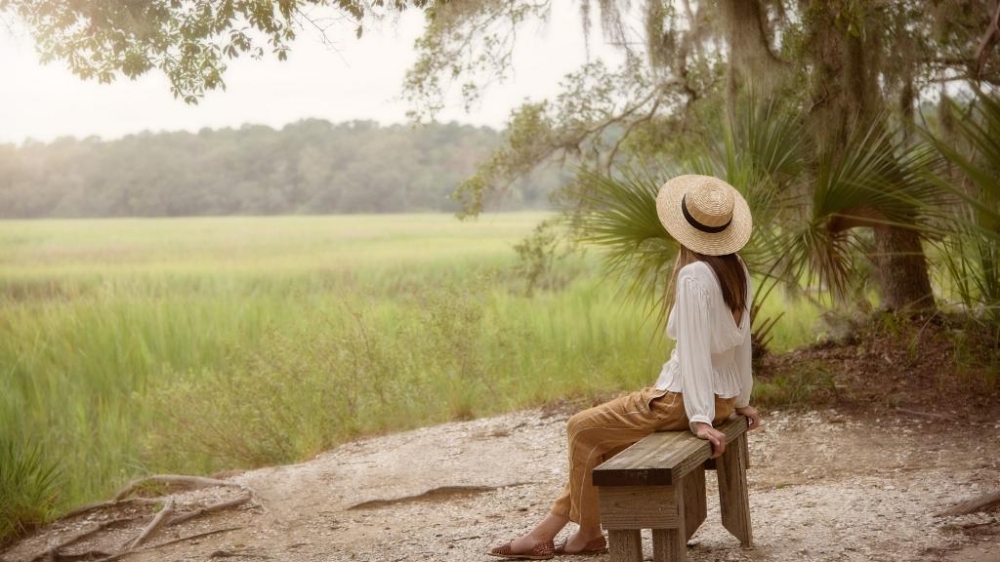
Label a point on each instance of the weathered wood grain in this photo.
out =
(733, 499)
(661, 458)
(639, 507)
(659, 484)
(625, 545)
(695, 506)
(668, 546)
(669, 543)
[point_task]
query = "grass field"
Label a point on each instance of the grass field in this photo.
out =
(196, 345)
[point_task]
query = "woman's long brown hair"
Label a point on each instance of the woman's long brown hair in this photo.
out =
(729, 270)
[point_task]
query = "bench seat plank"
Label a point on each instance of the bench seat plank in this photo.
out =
(662, 458)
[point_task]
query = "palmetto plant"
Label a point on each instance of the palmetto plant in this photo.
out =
(621, 218)
(619, 215)
(877, 180)
(807, 208)
(971, 252)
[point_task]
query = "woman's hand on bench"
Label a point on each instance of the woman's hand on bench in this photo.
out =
(714, 436)
(751, 413)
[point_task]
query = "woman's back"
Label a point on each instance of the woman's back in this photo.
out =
(698, 284)
(713, 353)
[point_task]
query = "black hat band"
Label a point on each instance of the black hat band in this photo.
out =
(704, 228)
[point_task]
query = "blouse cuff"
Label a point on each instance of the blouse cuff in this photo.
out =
(699, 419)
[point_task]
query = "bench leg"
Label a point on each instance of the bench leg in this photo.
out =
(670, 545)
(733, 500)
(625, 546)
(695, 508)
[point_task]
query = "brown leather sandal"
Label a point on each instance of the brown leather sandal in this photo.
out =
(596, 546)
(541, 551)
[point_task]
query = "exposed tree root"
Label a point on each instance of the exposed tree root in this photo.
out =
(173, 480)
(168, 516)
(982, 503)
(57, 557)
(155, 524)
(190, 537)
(123, 554)
(221, 506)
(112, 503)
(239, 553)
(91, 532)
(926, 414)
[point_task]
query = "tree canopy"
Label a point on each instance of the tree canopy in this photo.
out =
(189, 41)
(851, 72)
(845, 60)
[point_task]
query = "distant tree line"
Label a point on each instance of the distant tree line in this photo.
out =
(312, 166)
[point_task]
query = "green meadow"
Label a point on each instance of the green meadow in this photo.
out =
(196, 345)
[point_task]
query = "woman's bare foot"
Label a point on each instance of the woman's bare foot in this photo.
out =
(537, 544)
(527, 542)
(583, 542)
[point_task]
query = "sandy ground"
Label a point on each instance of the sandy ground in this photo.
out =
(824, 486)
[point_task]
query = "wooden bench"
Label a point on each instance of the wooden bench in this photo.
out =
(659, 484)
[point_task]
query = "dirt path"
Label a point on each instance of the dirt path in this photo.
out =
(824, 486)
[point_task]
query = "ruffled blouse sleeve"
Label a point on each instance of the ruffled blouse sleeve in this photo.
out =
(694, 347)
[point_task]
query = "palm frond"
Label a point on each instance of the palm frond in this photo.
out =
(620, 218)
(771, 138)
(878, 179)
(981, 132)
(971, 254)
(760, 152)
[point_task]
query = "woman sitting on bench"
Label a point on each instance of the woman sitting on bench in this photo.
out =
(707, 377)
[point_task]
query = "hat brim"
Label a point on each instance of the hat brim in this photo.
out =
(729, 241)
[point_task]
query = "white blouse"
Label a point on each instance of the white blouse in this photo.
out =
(712, 355)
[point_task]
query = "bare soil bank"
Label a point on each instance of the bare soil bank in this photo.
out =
(824, 485)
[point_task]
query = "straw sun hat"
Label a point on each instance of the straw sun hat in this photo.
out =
(705, 214)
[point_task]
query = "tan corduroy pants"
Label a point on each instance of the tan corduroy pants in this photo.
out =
(599, 433)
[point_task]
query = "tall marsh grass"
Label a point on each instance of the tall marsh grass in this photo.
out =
(29, 488)
(197, 345)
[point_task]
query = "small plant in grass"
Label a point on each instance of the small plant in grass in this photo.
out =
(538, 254)
(975, 356)
(762, 334)
(809, 384)
(29, 488)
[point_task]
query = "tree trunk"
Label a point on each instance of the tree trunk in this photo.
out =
(902, 270)
(751, 60)
(846, 92)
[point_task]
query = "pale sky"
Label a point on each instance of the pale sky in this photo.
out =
(357, 79)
